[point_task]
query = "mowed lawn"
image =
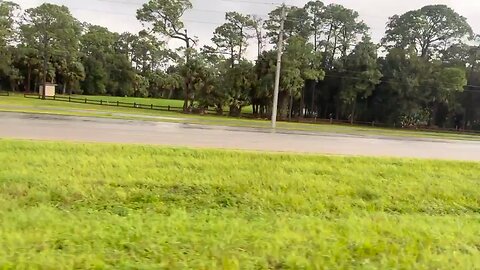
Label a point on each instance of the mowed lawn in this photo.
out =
(87, 206)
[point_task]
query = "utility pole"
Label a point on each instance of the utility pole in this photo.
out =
(277, 75)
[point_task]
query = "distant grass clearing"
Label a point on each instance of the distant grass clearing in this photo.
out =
(137, 207)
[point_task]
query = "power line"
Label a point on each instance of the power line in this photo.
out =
(262, 16)
(186, 20)
(137, 4)
(122, 2)
(253, 2)
(129, 15)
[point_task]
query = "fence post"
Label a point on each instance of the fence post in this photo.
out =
(151, 106)
(101, 102)
(69, 99)
(54, 97)
(118, 104)
(168, 107)
(85, 100)
(134, 104)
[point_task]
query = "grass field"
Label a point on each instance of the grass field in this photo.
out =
(87, 206)
(17, 103)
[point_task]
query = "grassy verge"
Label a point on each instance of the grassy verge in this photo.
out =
(138, 207)
(20, 104)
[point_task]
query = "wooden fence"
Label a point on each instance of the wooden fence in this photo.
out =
(108, 103)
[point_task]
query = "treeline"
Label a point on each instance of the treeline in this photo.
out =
(425, 71)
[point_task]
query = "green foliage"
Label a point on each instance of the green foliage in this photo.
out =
(108, 71)
(238, 82)
(343, 28)
(7, 21)
(232, 37)
(362, 74)
(146, 207)
(121, 78)
(165, 16)
(296, 23)
(51, 29)
(74, 73)
(428, 29)
(140, 86)
(299, 64)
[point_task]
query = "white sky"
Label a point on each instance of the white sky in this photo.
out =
(208, 14)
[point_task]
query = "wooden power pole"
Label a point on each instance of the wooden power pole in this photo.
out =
(279, 66)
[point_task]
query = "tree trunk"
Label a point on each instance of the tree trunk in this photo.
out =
(433, 117)
(29, 78)
(69, 87)
(344, 45)
(187, 80)
(329, 36)
(312, 112)
(241, 47)
(186, 98)
(232, 55)
(12, 85)
(45, 65)
(36, 85)
(302, 101)
(290, 108)
(283, 105)
(332, 58)
(219, 109)
(315, 34)
(259, 52)
(352, 116)
(235, 111)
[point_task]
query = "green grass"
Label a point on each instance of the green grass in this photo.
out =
(17, 103)
(86, 206)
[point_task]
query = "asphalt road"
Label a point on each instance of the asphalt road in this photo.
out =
(89, 129)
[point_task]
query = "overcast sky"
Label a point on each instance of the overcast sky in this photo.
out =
(119, 15)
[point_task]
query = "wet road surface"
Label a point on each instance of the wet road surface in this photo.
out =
(90, 129)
